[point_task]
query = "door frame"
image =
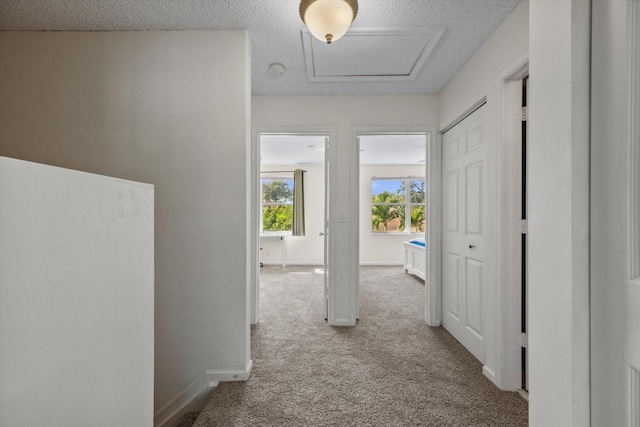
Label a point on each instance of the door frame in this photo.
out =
(503, 337)
(253, 297)
(508, 375)
(432, 229)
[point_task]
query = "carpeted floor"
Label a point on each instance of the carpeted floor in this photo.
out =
(389, 370)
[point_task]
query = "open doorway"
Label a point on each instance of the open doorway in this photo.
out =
(292, 209)
(392, 205)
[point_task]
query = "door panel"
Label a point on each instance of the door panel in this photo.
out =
(452, 300)
(452, 205)
(474, 138)
(473, 212)
(474, 293)
(463, 176)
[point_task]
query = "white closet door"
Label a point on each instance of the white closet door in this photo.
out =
(463, 248)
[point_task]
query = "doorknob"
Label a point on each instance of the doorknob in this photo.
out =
(321, 234)
(471, 246)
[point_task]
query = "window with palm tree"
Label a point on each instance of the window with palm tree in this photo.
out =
(393, 200)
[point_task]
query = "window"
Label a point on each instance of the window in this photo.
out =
(393, 200)
(277, 204)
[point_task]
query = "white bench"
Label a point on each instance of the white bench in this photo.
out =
(414, 258)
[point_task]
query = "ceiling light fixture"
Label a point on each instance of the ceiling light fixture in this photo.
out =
(328, 20)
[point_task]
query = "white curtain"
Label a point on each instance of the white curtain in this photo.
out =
(298, 203)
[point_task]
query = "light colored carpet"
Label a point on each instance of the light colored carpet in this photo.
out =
(389, 370)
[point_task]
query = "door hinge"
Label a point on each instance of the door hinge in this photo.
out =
(524, 226)
(525, 340)
(524, 114)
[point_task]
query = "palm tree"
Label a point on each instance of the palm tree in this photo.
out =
(382, 211)
(418, 218)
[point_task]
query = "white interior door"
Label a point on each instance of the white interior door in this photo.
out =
(463, 223)
(326, 227)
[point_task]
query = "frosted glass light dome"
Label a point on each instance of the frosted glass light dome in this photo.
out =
(328, 20)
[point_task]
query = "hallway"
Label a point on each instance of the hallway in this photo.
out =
(389, 370)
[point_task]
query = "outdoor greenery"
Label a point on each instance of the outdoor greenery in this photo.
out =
(385, 208)
(277, 218)
(277, 204)
(389, 210)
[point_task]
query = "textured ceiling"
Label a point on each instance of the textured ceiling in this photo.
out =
(275, 29)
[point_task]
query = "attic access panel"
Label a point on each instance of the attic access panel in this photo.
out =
(370, 55)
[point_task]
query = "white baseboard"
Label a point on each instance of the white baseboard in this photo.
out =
(342, 322)
(279, 264)
(382, 264)
(196, 395)
(489, 373)
(192, 398)
(217, 375)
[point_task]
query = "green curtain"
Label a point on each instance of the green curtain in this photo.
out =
(298, 203)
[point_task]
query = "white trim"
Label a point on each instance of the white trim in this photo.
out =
(289, 264)
(633, 397)
(433, 279)
(354, 207)
(195, 396)
(254, 296)
(382, 264)
(633, 375)
(432, 302)
(407, 202)
(332, 256)
(464, 115)
(341, 322)
(216, 376)
(489, 373)
(191, 398)
(434, 33)
(508, 375)
(634, 139)
(254, 246)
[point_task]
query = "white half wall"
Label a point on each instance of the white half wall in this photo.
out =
(480, 77)
(170, 108)
(76, 298)
(344, 114)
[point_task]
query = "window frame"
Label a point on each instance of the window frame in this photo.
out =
(408, 204)
(264, 232)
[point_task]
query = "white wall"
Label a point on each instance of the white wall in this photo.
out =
(171, 109)
(558, 213)
(480, 77)
(382, 248)
(344, 114)
(308, 249)
(612, 192)
(76, 298)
